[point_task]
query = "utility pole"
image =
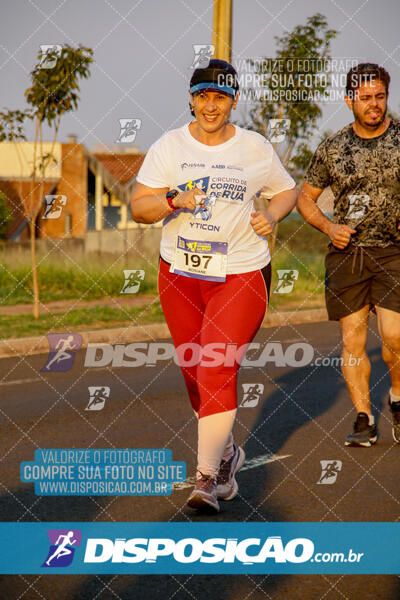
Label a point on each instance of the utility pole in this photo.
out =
(222, 29)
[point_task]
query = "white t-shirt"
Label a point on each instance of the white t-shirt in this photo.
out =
(235, 171)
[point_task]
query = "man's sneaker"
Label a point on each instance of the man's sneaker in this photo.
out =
(204, 494)
(363, 434)
(227, 486)
(395, 410)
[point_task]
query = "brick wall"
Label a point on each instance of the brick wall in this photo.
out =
(73, 184)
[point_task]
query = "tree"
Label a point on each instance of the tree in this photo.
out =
(5, 215)
(294, 81)
(53, 93)
(11, 130)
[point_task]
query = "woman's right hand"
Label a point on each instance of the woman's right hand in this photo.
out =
(188, 199)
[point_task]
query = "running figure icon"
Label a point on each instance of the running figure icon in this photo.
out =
(62, 347)
(129, 129)
(98, 397)
(329, 471)
(62, 549)
(286, 281)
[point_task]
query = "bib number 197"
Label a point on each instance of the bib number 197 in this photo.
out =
(200, 259)
(196, 260)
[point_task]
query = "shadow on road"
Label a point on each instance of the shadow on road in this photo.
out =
(301, 396)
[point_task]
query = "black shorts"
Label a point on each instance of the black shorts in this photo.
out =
(358, 276)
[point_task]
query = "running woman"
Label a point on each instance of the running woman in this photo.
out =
(361, 163)
(214, 270)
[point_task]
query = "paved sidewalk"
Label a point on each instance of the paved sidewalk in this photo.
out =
(147, 331)
(61, 306)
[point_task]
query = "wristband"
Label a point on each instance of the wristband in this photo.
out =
(170, 196)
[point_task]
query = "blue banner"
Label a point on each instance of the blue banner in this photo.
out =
(214, 548)
(98, 472)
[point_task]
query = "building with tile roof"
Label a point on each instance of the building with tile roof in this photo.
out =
(90, 190)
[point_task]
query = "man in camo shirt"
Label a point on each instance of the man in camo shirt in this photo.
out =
(361, 164)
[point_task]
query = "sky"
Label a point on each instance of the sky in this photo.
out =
(143, 52)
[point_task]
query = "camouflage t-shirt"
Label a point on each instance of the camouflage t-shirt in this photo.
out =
(364, 175)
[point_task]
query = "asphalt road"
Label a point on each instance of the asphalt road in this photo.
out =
(303, 417)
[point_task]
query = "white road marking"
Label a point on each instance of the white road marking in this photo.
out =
(19, 381)
(252, 463)
(262, 460)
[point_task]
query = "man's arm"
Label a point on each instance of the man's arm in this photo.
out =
(307, 206)
(149, 205)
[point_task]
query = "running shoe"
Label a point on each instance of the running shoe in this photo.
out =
(227, 486)
(363, 434)
(395, 410)
(204, 495)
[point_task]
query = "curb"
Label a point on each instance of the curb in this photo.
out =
(152, 331)
(295, 317)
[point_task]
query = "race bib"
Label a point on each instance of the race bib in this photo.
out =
(201, 260)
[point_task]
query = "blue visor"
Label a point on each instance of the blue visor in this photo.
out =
(213, 86)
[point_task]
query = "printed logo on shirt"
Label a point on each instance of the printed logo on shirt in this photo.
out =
(218, 166)
(229, 187)
(201, 184)
(186, 165)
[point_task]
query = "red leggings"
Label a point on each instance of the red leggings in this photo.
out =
(207, 312)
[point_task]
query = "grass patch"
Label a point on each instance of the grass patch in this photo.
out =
(298, 246)
(302, 248)
(98, 317)
(63, 279)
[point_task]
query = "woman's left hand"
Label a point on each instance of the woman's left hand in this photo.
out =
(263, 223)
